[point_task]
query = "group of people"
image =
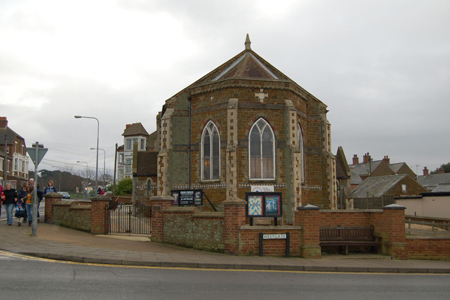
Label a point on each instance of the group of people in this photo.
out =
(22, 201)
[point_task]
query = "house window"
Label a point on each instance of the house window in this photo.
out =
(262, 149)
(120, 158)
(1, 164)
(129, 144)
(404, 190)
(128, 166)
(301, 146)
(142, 144)
(210, 152)
(16, 164)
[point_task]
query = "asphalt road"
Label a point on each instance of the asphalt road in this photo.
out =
(40, 279)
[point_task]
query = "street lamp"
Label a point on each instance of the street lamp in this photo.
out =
(87, 170)
(104, 166)
(98, 133)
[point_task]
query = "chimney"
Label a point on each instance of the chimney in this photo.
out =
(387, 159)
(441, 170)
(366, 158)
(425, 171)
(355, 159)
(3, 122)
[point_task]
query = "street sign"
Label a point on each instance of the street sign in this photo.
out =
(40, 154)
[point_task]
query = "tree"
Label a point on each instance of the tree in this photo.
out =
(445, 167)
(124, 187)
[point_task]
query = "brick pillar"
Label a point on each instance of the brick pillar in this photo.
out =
(100, 214)
(308, 217)
(49, 200)
(395, 235)
(233, 221)
(159, 203)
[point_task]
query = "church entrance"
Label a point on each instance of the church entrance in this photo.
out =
(130, 219)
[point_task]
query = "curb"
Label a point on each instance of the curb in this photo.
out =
(255, 267)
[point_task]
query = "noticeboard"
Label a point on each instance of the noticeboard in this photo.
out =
(187, 197)
(264, 204)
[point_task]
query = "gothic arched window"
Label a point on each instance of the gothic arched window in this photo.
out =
(262, 151)
(210, 152)
(301, 147)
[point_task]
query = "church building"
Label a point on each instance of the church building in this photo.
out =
(244, 127)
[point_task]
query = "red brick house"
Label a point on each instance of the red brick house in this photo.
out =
(13, 156)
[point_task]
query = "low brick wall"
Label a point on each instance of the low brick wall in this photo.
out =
(185, 226)
(249, 240)
(72, 214)
(436, 248)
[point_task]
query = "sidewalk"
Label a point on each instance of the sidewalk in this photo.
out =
(60, 243)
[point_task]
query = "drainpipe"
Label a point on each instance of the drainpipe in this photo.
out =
(189, 143)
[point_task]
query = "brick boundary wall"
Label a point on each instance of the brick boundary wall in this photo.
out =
(72, 215)
(100, 214)
(436, 248)
(249, 240)
(49, 200)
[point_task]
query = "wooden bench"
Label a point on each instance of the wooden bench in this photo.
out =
(349, 236)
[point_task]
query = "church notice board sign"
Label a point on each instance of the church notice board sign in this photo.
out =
(263, 204)
(187, 197)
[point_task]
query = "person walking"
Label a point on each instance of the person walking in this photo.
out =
(22, 195)
(29, 204)
(9, 198)
(50, 188)
(40, 195)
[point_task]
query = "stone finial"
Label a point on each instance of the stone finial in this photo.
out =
(247, 43)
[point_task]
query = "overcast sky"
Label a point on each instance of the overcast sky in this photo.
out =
(381, 67)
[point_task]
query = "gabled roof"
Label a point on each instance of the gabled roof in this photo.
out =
(342, 169)
(135, 129)
(376, 186)
(431, 181)
(396, 167)
(245, 65)
(10, 136)
(442, 187)
(365, 169)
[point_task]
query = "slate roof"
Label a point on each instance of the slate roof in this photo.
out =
(364, 169)
(376, 186)
(355, 178)
(10, 136)
(396, 167)
(442, 188)
(245, 65)
(432, 181)
(135, 129)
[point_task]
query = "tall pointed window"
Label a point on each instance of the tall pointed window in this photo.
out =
(210, 152)
(302, 155)
(262, 149)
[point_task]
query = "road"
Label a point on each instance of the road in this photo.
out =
(32, 278)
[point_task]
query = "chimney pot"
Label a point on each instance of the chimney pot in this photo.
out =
(355, 159)
(425, 171)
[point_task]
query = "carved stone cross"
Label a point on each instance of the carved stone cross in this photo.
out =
(261, 95)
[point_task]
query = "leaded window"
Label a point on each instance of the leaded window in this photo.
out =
(210, 152)
(301, 147)
(262, 150)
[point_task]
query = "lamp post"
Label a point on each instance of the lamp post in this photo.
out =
(104, 166)
(87, 170)
(59, 182)
(98, 133)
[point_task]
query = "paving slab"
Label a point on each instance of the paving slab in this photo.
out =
(60, 243)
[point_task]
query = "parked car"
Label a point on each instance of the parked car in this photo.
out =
(65, 195)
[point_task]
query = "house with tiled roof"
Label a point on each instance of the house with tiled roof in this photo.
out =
(399, 185)
(133, 134)
(13, 156)
(439, 182)
(370, 168)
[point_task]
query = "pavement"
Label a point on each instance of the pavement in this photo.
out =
(60, 243)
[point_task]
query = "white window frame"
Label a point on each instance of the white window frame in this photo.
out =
(261, 131)
(210, 128)
(142, 144)
(129, 144)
